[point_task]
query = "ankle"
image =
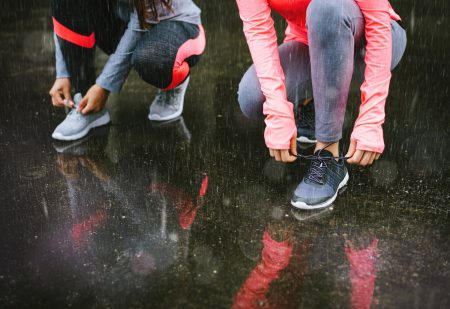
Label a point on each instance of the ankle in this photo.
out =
(331, 147)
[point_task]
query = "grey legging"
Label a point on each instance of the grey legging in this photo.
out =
(333, 59)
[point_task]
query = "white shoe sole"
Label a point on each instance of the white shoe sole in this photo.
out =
(302, 205)
(156, 117)
(304, 139)
(103, 120)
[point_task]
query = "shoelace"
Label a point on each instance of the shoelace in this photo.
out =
(71, 109)
(317, 170)
(74, 111)
(318, 165)
(164, 97)
(319, 157)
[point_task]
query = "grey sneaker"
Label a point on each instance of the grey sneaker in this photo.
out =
(322, 182)
(305, 122)
(168, 105)
(76, 125)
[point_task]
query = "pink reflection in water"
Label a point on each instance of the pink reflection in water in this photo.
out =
(80, 231)
(185, 205)
(275, 258)
(362, 274)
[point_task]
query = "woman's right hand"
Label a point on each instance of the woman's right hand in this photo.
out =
(60, 93)
(280, 134)
(286, 155)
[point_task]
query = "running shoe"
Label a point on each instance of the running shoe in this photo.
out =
(322, 182)
(305, 121)
(76, 125)
(168, 104)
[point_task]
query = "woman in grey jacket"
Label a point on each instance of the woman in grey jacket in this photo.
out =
(160, 39)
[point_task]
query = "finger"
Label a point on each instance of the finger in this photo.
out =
(52, 91)
(351, 148)
(89, 108)
(356, 157)
(54, 102)
(365, 158)
(83, 103)
(377, 156)
(68, 97)
(57, 99)
(372, 158)
(286, 156)
(293, 147)
(271, 152)
(276, 152)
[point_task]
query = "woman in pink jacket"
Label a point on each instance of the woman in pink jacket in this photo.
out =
(326, 42)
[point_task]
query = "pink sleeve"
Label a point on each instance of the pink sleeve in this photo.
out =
(368, 131)
(262, 41)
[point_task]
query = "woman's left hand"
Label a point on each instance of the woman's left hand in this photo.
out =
(360, 157)
(94, 100)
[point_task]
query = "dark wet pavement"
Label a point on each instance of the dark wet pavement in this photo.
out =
(194, 214)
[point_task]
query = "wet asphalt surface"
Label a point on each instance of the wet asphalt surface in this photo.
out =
(193, 213)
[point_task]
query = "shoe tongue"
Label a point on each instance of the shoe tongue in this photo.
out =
(77, 98)
(323, 153)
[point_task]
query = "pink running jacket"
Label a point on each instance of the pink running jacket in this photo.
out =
(261, 38)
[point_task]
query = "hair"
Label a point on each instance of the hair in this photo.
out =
(143, 13)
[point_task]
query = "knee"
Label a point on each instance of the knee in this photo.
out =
(249, 103)
(325, 18)
(150, 67)
(142, 61)
(399, 41)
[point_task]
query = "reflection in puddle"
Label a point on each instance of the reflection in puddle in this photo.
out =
(193, 213)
